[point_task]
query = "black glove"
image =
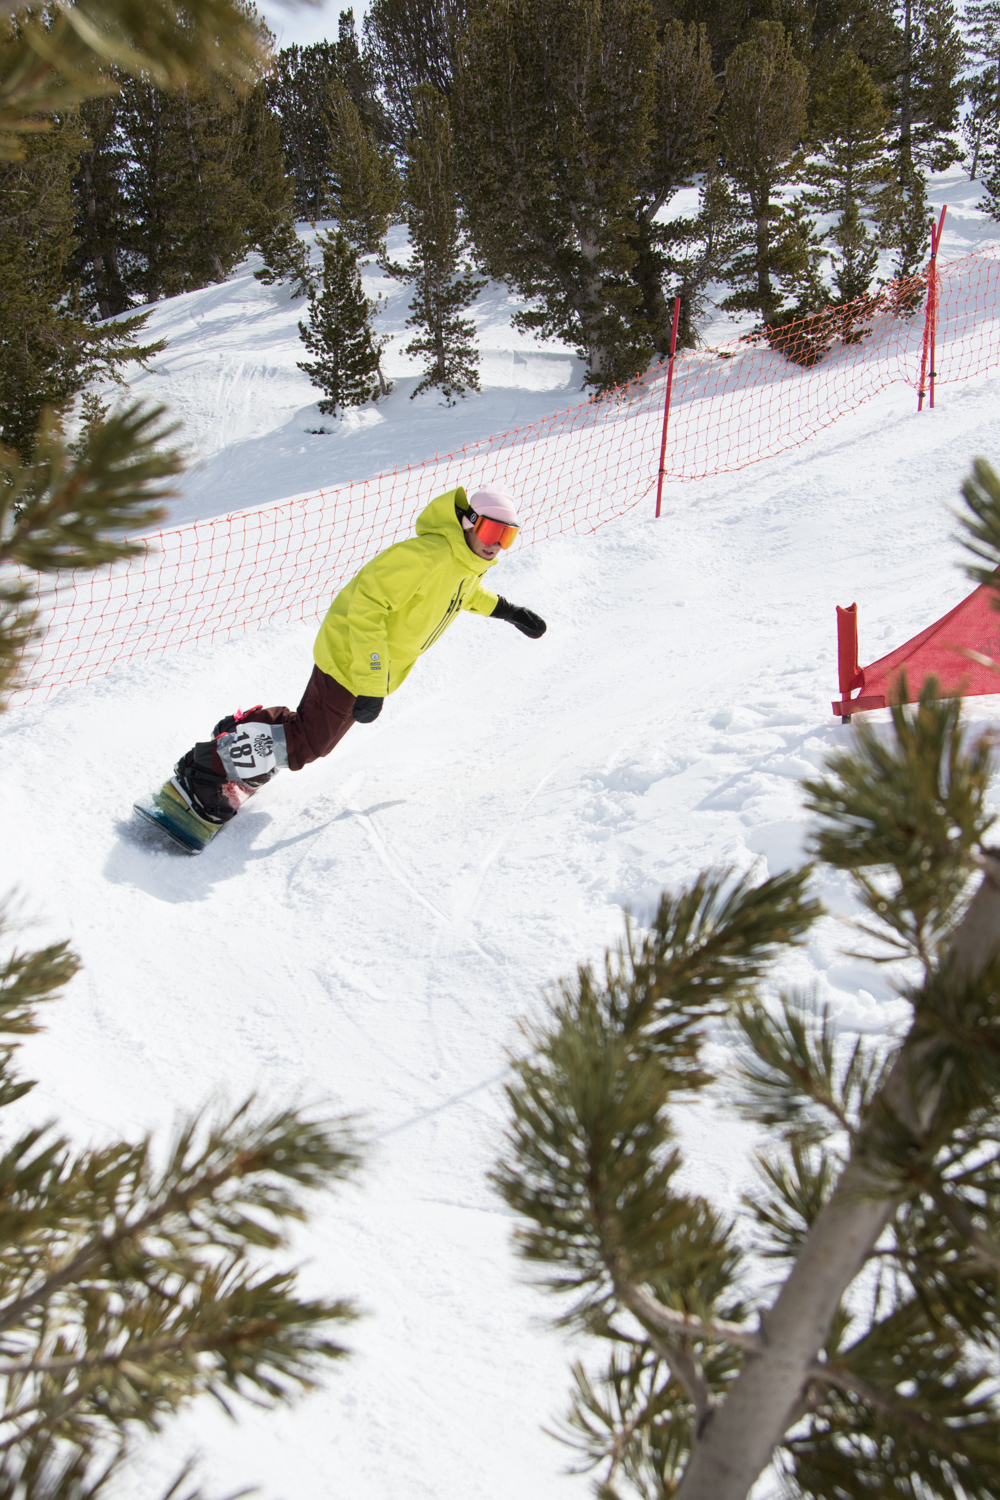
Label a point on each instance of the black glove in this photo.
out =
(527, 622)
(367, 710)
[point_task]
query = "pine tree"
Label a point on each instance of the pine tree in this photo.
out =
(697, 251)
(925, 95)
(938, 86)
(868, 28)
(556, 101)
(339, 332)
(976, 127)
(989, 171)
(205, 181)
(905, 221)
(982, 41)
(37, 355)
(50, 350)
(105, 249)
(863, 1364)
(299, 94)
(982, 125)
(686, 101)
(443, 286)
(407, 43)
(286, 258)
(365, 187)
(729, 23)
(762, 126)
(298, 90)
(849, 169)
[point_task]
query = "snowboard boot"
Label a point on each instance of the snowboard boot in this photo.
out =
(216, 777)
(210, 796)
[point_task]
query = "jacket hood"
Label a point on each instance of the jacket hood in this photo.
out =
(440, 519)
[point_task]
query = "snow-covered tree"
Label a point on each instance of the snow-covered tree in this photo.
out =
(871, 1368)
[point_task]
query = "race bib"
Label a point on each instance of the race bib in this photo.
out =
(247, 751)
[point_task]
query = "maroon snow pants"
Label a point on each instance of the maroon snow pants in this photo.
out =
(317, 725)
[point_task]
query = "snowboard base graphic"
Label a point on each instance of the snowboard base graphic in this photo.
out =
(168, 811)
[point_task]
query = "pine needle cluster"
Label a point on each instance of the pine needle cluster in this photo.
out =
(651, 1270)
(50, 63)
(870, 1369)
(57, 509)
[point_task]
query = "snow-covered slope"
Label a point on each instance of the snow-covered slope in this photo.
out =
(369, 931)
(230, 374)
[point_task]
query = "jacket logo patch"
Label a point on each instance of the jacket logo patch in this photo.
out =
(376, 664)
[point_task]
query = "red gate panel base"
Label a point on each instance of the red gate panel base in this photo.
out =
(939, 651)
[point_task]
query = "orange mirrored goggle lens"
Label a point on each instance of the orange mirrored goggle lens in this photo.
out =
(491, 532)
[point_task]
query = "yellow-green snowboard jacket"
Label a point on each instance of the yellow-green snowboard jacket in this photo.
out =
(402, 602)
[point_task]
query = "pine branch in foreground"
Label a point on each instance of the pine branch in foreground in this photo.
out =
(50, 63)
(127, 1286)
(130, 1284)
(882, 1156)
(132, 1281)
(56, 511)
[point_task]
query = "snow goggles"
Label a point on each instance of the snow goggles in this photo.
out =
(491, 532)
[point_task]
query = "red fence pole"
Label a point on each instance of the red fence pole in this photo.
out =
(666, 407)
(847, 654)
(936, 246)
(930, 315)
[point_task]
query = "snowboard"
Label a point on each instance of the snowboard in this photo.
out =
(169, 811)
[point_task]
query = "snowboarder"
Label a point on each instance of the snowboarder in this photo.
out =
(397, 606)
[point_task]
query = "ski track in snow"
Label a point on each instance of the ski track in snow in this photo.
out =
(369, 932)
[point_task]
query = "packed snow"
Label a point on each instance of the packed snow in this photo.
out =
(368, 932)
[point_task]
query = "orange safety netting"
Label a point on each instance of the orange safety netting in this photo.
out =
(941, 651)
(731, 406)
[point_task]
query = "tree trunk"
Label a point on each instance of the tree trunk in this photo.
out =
(646, 275)
(741, 1435)
(759, 194)
(589, 298)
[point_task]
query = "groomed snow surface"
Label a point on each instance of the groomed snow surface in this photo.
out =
(369, 931)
